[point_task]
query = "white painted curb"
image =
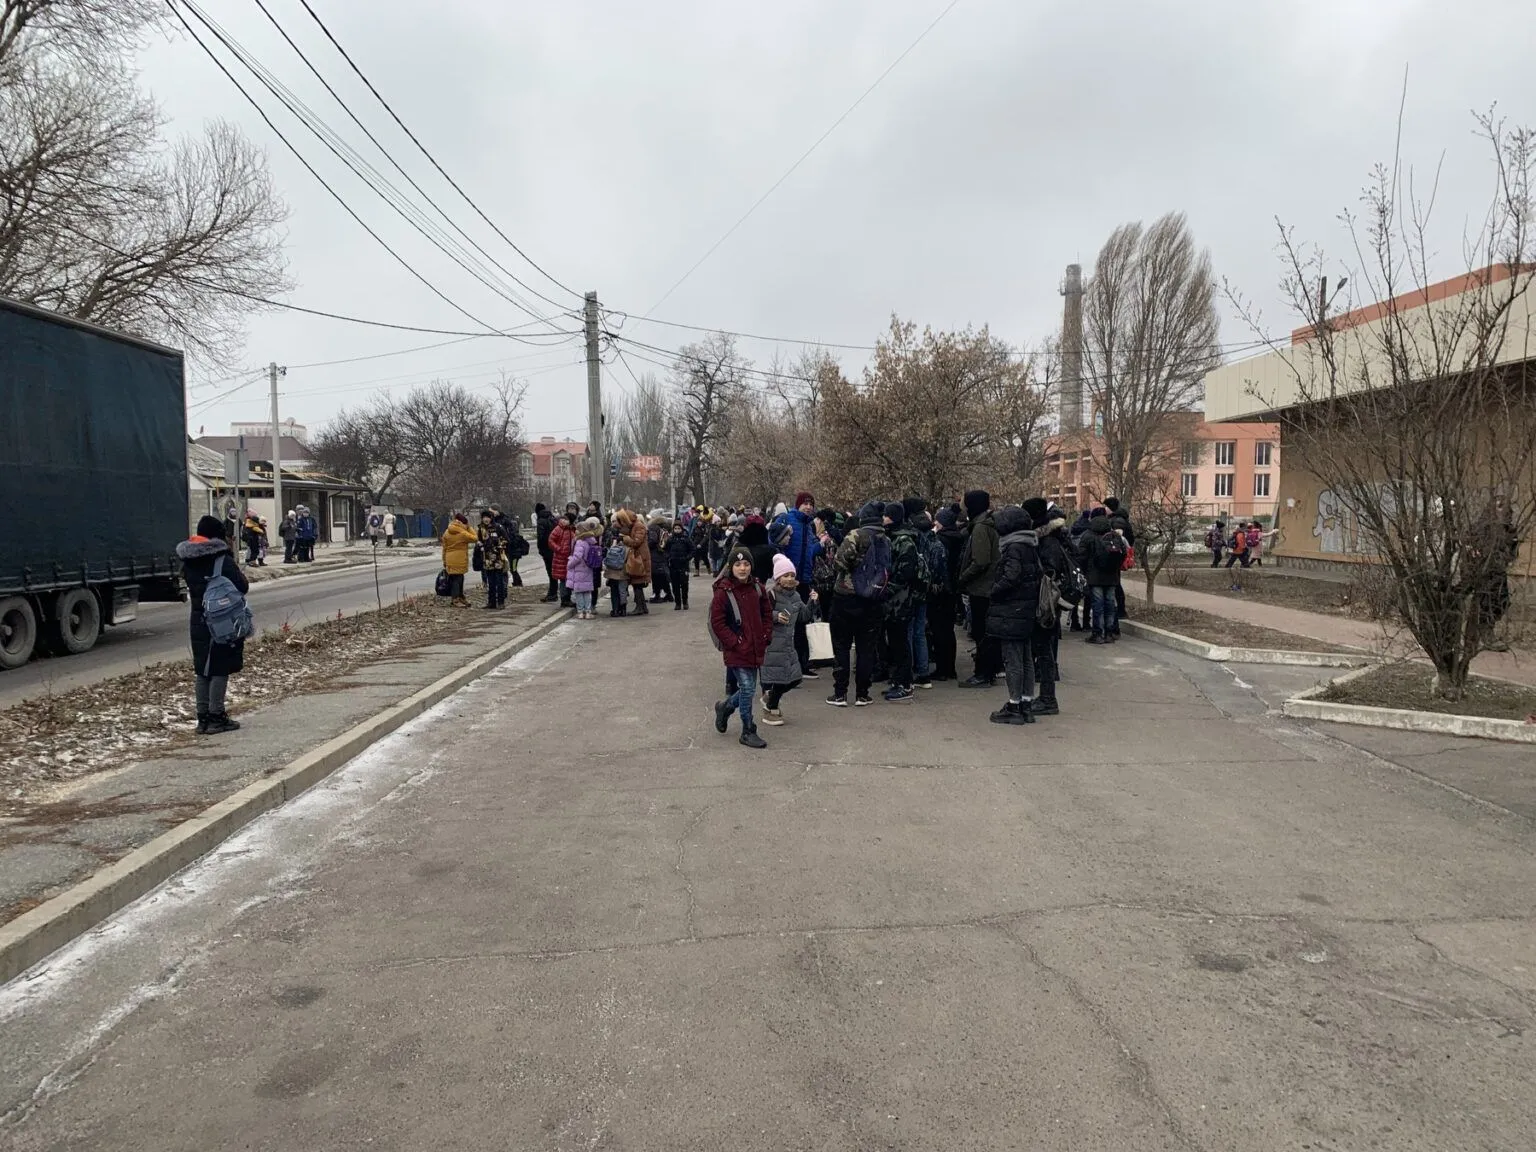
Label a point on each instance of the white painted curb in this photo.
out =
(33, 935)
(1225, 655)
(1306, 706)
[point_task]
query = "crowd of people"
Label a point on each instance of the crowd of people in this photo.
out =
(889, 585)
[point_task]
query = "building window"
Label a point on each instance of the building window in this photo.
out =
(1262, 452)
(1189, 484)
(1261, 483)
(1194, 452)
(1226, 454)
(1224, 484)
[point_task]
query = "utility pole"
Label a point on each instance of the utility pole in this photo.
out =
(1072, 350)
(597, 455)
(274, 371)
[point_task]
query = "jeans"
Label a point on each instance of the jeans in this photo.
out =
(1103, 600)
(618, 596)
(1235, 557)
(496, 588)
(1019, 669)
(941, 614)
(917, 638)
(898, 645)
(679, 586)
(210, 694)
(288, 550)
(989, 658)
(583, 601)
(855, 622)
(741, 699)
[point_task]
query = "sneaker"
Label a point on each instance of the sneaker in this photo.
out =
(1097, 639)
(838, 701)
(810, 674)
(977, 682)
(925, 682)
(722, 715)
(773, 716)
(1112, 638)
(862, 702)
(899, 695)
(752, 740)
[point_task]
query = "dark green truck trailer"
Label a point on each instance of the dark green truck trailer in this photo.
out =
(93, 479)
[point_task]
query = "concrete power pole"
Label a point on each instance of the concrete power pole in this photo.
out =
(1072, 350)
(597, 455)
(274, 371)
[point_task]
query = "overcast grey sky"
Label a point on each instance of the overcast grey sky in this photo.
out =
(615, 142)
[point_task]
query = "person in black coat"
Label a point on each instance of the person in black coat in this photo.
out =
(544, 520)
(678, 550)
(1057, 562)
(1120, 520)
(1012, 608)
(944, 607)
(1102, 553)
(213, 664)
(754, 537)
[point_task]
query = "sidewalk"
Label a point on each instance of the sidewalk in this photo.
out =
(331, 558)
(1519, 667)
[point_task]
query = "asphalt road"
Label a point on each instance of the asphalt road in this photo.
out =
(559, 911)
(160, 632)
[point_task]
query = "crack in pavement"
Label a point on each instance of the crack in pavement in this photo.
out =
(1520, 994)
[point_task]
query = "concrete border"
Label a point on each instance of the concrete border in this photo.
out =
(1226, 655)
(1306, 706)
(36, 934)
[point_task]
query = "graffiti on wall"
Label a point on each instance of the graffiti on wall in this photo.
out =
(1337, 527)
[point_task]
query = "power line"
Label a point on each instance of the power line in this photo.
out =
(388, 156)
(429, 373)
(423, 149)
(756, 204)
(625, 316)
(338, 147)
(251, 100)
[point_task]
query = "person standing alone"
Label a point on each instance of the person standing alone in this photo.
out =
(205, 556)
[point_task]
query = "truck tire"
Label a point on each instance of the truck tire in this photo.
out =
(18, 631)
(77, 620)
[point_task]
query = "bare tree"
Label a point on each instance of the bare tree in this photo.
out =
(461, 448)
(1162, 515)
(1421, 421)
(98, 219)
(642, 427)
(365, 447)
(1149, 338)
(707, 379)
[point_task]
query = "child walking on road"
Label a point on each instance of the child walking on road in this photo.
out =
(781, 666)
(678, 552)
(741, 620)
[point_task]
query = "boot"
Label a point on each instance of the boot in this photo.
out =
(1045, 706)
(978, 682)
(722, 715)
(202, 723)
(1011, 713)
(220, 722)
(641, 607)
(752, 740)
(677, 605)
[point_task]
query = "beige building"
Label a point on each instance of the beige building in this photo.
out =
(1317, 528)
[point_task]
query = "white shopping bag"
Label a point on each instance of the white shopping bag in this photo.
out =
(820, 637)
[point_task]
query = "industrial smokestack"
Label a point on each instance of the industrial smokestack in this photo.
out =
(1072, 350)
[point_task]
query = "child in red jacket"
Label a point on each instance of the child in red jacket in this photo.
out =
(741, 618)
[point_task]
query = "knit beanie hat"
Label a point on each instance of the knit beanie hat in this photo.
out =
(897, 513)
(804, 498)
(948, 517)
(871, 514)
(738, 554)
(914, 505)
(783, 566)
(976, 502)
(1038, 509)
(211, 528)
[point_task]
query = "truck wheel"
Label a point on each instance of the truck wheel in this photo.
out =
(78, 620)
(18, 631)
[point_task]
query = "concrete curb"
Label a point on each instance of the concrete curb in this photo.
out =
(1306, 706)
(35, 934)
(1226, 655)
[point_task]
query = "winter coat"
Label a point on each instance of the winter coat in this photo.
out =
(580, 576)
(637, 560)
(198, 556)
(1016, 580)
(307, 527)
(904, 595)
(1101, 568)
(562, 538)
(493, 549)
(781, 665)
(747, 648)
(1056, 559)
(1122, 521)
(979, 561)
(544, 524)
(678, 551)
(953, 540)
(389, 523)
(456, 542)
(252, 532)
(754, 538)
(850, 554)
(287, 529)
(802, 545)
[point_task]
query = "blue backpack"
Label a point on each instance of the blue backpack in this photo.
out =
(872, 578)
(225, 611)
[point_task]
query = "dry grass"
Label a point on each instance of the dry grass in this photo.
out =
(1410, 685)
(63, 736)
(1221, 630)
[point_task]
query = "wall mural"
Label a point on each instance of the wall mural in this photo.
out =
(1337, 527)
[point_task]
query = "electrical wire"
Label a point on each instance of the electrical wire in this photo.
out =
(375, 180)
(756, 204)
(428, 374)
(423, 149)
(265, 11)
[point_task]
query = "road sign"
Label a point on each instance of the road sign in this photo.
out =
(237, 467)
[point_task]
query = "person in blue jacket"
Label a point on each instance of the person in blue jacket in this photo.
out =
(795, 536)
(306, 533)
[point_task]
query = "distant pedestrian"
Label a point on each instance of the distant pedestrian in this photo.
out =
(389, 529)
(204, 556)
(637, 559)
(678, 554)
(308, 531)
(1216, 541)
(493, 560)
(1011, 615)
(586, 561)
(288, 532)
(562, 538)
(1255, 543)
(457, 540)
(741, 618)
(1237, 551)
(1103, 554)
(978, 565)
(544, 524)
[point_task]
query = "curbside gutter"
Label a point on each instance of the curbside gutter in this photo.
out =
(1306, 706)
(35, 934)
(1225, 655)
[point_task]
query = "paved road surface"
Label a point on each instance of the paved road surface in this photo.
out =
(561, 912)
(160, 632)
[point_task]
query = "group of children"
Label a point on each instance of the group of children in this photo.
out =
(1244, 546)
(754, 628)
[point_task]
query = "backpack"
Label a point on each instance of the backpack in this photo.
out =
(442, 586)
(477, 558)
(1130, 558)
(872, 578)
(519, 545)
(924, 579)
(594, 556)
(1239, 542)
(734, 611)
(937, 558)
(1113, 547)
(823, 571)
(1212, 538)
(1048, 608)
(1254, 538)
(225, 611)
(615, 557)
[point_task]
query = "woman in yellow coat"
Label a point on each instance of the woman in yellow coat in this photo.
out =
(457, 541)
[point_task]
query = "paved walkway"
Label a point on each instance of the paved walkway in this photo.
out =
(561, 912)
(1517, 666)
